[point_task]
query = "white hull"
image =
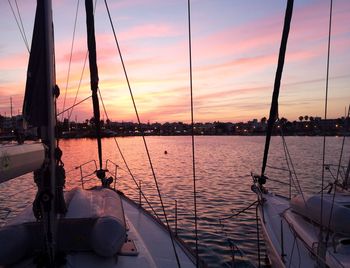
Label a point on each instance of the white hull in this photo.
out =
(291, 240)
(280, 250)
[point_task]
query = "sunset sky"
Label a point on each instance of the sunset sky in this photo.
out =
(235, 50)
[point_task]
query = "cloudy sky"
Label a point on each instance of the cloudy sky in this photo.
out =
(234, 51)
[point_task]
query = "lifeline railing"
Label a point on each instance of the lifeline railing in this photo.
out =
(137, 195)
(84, 178)
(111, 168)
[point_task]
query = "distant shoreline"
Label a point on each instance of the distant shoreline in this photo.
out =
(12, 139)
(306, 126)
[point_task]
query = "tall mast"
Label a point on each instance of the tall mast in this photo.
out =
(39, 110)
(276, 88)
(51, 125)
(94, 77)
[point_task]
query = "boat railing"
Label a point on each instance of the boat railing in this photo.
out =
(84, 178)
(111, 169)
(174, 211)
(313, 249)
(178, 215)
(88, 173)
(340, 172)
(114, 174)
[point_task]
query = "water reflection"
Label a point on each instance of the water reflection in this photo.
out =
(223, 166)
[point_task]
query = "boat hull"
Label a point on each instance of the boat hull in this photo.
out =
(283, 247)
(272, 254)
(292, 239)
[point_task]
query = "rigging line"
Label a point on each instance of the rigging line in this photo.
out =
(296, 238)
(20, 19)
(295, 173)
(335, 187)
(258, 231)
(299, 255)
(292, 252)
(230, 242)
(325, 117)
(279, 168)
(332, 175)
(79, 85)
(134, 180)
(274, 104)
(240, 211)
(125, 162)
(287, 161)
(341, 152)
(192, 131)
(143, 137)
(19, 27)
(347, 171)
(70, 58)
(76, 104)
(81, 76)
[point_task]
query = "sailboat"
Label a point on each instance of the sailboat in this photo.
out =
(304, 230)
(96, 227)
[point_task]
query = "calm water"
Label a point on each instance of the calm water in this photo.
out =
(223, 166)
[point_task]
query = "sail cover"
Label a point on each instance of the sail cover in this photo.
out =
(35, 99)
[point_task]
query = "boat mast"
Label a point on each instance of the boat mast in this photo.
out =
(276, 88)
(91, 42)
(50, 141)
(39, 110)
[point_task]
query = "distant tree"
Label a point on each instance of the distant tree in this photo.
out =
(2, 120)
(263, 120)
(301, 118)
(311, 118)
(339, 121)
(92, 121)
(306, 117)
(222, 127)
(283, 120)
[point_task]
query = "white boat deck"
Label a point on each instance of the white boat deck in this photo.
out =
(151, 240)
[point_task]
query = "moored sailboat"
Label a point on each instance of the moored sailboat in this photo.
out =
(97, 227)
(305, 230)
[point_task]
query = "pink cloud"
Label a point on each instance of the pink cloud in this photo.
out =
(148, 31)
(14, 61)
(232, 66)
(128, 3)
